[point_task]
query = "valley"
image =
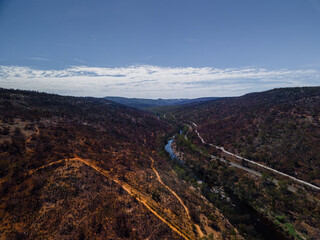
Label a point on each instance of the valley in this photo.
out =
(159, 120)
(91, 168)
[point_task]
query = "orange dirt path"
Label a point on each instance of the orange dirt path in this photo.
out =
(176, 195)
(139, 196)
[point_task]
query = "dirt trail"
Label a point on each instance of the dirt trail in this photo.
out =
(136, 194)
(146, 201)
(199, 231)
(176, 195)
(37, 133)
(45, 166)
(173, 192)
(139, 196)
(3, 180)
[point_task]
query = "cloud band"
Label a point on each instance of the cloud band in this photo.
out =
(153, 81)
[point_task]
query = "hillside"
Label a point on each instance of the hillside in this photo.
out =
(89, 168)
(142, 103)
(86, 168)
(243, 149)
(279, 128)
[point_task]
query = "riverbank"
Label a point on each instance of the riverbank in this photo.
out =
(235, 210)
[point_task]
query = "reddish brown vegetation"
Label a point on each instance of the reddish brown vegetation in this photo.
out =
(280, 128)
(70, 200)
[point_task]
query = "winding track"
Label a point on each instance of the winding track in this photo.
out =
(176, 195)
(139, 196)
(179, 199)
(258, 164)
(37, 133)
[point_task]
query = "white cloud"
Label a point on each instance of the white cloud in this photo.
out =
(154, 81)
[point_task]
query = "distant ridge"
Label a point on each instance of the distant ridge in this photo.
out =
(143, 103)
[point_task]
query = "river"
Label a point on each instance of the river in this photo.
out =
(261, 225)
(169, 150)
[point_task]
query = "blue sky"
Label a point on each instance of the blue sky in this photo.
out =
(152, 45)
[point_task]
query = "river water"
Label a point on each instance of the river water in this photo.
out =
(169, 150)
(261, 225)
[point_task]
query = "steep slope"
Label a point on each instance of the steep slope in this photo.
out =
(244, 148)
(279, 128)
(86, 168)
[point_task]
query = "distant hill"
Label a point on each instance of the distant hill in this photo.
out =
(142, 103)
